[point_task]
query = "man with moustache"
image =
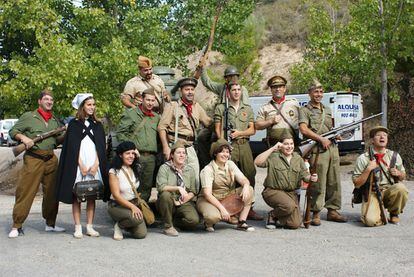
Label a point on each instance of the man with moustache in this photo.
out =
(132, 94)
(279, 115)
(40, 165)
(241, 120)
(181, 120)
(391, 174)
(139, 125)
(314, 120)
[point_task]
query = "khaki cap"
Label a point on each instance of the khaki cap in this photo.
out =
(276, 80)
(285, 135)
(149, 91)
(189, 81)
(314, 85)
(178, 144)
(144, 62)
(376, 129)
(216, 145)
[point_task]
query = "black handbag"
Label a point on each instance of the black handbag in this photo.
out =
(88, 190)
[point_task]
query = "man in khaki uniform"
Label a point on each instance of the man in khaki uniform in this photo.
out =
(285, 171)
(139, 125)
(314, 120)
(279, 115)
(205, 137)
(40, 165)
(132, 95)
(241, 121)
(181, 120)
(394, 192)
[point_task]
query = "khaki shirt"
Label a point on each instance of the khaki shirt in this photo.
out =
(290, 110)
(177, 109)
(283, 175)
(220, 180)
(135, 86)
(312, 116)
(363, 160)
(239, 119)
(218, 89)
(32, 124)
(167, 177)
(143, 134)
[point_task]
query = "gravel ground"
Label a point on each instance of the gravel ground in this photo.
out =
(341, 249)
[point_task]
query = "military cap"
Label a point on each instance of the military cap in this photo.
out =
(189, 81)
(148, 91)
(276, 80)
(144, 62)
(216, 145)
(178, 144)
(231, 70)
(314, 85)
(376, 129)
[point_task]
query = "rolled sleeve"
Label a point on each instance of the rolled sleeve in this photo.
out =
(303, 116)
(207, 177)
(162, 177)
(167, 117)
(360, 165)
(21, 125)
(218, 113)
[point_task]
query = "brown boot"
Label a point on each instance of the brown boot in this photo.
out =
(316, 219)
(334, 215)
(254, 216)
(394, 219)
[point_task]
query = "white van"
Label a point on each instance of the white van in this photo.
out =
(5, 126)
(346, 108)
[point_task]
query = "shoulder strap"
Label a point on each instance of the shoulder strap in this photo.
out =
(130, 183)
(323, 121)
(393, 159)
(279, 111)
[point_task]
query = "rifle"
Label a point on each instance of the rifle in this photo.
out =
(374, 186)
(227, 127)
(307, 216)
(17, 150)
(306, 146)
(207, 48)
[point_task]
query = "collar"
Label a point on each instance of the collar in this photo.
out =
(45, 115)
(216, 167)
(146, 113)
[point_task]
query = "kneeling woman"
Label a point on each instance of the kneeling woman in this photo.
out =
(123, 181)
(176, 185)
(285, 170)
(218, 180)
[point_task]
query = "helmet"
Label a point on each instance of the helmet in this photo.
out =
(231, 70)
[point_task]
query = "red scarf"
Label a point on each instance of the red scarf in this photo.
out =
(188, 106)
(146, 113)
(379, 157)
(46, 115)
(279, 100)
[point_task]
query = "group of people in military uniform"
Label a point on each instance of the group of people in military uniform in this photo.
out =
(172, 152)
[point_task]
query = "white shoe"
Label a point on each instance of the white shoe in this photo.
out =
(78, 232)
(54, 229)
(118, 232)
(90, 231)
(14, 233)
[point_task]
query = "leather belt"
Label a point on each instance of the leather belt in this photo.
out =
(240, 141)
(40, 157)
(186, 138)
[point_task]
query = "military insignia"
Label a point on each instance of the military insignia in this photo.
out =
(291, 113)
(244, 114)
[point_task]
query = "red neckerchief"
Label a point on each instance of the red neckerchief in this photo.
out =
(379, 157)
(146, 113)
(46, 115)
(279, 100)
(188, 106)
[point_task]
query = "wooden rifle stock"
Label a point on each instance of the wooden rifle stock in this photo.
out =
(17, 150)
(207, 49)
(307, 216)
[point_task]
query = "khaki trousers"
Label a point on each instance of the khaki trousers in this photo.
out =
(243, 158)
(326, 192)
(122, 215)
(184, 216)
(147, 175)
(210, 212)
(285, 205)
(34, 172)
(394, 198)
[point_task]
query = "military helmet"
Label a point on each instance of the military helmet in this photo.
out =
(231, 70)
